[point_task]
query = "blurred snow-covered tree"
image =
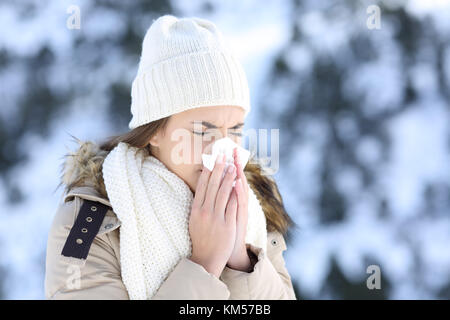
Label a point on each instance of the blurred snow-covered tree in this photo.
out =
(45, 67)
(350, 103)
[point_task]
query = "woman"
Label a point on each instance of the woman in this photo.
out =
(142, 218)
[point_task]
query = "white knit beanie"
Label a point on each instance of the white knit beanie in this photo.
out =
(185, 64)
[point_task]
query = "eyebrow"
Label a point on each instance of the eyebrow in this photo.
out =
(212, 126)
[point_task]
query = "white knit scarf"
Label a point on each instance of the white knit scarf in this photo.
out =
(153, 205)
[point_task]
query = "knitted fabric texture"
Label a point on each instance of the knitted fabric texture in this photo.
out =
(153, 205)
(185, 63)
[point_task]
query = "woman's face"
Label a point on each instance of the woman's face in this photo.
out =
(190, 133)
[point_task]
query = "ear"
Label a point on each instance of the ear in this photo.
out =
(154, 141)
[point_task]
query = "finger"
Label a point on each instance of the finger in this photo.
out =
(214, 182)
(224, 191)
(200, 189)
(241, 198)
(231, 211)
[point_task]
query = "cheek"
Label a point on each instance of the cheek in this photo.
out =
(207, 146)
(193, 179)
(198, 148)
(182, 153)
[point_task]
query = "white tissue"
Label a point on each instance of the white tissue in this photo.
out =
(225, 146)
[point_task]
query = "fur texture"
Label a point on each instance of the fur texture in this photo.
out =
(83, 167)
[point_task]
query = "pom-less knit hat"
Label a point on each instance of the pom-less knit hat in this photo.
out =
(185, 64)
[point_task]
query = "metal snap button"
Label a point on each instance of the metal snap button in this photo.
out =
(109, 226)
(89, 219)
(93, 208)
(79, 241)
(274, 242)
(84, 230)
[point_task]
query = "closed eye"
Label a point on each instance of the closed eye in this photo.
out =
(200, 133)
(239, 134)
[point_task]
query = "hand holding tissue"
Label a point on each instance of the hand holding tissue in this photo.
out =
(225, 146)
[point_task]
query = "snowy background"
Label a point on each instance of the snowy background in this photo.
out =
(364, 119)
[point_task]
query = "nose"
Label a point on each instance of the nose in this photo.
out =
(222, 133)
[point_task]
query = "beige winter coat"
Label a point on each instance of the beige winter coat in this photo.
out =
(99, 275)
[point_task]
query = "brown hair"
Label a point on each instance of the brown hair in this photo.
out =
(263, 185)
(138, 137)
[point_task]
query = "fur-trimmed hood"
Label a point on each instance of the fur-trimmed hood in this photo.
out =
(83, 168)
